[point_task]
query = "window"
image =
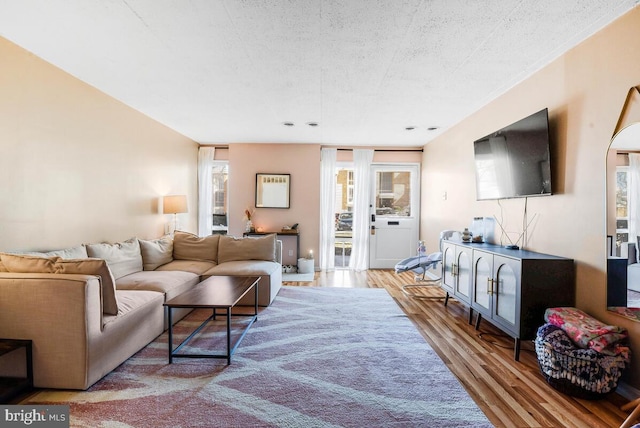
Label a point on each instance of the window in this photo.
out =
(220, 202)
(344, 215)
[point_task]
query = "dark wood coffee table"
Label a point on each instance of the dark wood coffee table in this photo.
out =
(11, 387)
(221, 294)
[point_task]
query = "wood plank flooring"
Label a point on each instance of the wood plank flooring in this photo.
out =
(511, 393)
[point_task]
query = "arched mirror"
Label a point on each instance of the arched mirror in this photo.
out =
(623, 211)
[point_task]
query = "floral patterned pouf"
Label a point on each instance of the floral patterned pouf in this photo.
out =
(579, 355)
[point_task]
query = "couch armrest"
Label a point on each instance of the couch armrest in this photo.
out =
(60, 314)
(632, 255)
(279, 251)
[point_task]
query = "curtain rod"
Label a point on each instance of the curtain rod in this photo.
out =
(339, 149)
(214, 146)
(384, 150)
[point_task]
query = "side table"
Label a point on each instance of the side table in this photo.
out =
(11, 387)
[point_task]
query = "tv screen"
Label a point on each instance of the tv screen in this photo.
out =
(514, 161)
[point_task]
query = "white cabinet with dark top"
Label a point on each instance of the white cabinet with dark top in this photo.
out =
(456, 272)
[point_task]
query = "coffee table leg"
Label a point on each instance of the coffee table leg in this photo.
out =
(256, 302)
(228, 336)
(170, 335)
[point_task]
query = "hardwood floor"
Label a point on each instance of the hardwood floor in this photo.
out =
(511, 393)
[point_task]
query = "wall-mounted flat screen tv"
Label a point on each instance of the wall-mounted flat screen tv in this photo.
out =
(514, 162)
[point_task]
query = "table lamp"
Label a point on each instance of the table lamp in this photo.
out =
(174, 204)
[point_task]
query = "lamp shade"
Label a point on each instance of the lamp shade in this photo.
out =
(174, 204)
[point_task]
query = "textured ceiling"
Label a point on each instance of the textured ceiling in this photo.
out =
(234, 71)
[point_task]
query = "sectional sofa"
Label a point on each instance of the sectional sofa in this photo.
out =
(89, 308)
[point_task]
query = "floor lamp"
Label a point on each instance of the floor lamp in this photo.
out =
(174, 204)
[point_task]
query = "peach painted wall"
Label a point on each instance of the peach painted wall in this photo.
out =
(584, 91)
(78, 166)
(302, 161)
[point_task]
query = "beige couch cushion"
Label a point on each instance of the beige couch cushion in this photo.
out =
(244, 268)
(131, 301)
(187, 246)
(194, 266)
(156, 252)
(171, 283)
(123, 258)
(28, 264)
(250, 248)
(97, 267)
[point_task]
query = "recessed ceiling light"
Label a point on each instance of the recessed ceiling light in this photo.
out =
(432, 128)
(288, 124)
(312, 123)
(410, 128)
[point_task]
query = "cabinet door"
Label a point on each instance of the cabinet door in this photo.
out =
(482, 276)
(448, 262)
(505, 291)
(463, 270)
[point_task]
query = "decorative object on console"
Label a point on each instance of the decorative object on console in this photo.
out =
(483, 229)
(466, 235)
(523, 236)
(174, 204)
(248, 214)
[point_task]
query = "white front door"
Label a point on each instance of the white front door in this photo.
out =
(394, 214)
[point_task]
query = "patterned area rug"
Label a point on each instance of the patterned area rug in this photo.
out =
(317, 357)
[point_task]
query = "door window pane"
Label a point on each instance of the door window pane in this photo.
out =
(393, 193)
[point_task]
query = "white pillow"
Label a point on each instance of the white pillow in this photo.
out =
(156, 252)
(123, 258)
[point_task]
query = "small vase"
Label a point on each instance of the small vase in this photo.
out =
(248, 226)
(466, 235)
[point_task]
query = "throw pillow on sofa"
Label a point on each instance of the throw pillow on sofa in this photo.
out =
(96, 267)
(78, 252)
(156, 252)
(249, 248)
(187, 246)
(123, 258)
(28, 264)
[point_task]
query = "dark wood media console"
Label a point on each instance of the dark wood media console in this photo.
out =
(509, 288)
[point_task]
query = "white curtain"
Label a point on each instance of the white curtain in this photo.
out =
(362, 159)
(633, 204)
(206, 156)
(327, 208)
